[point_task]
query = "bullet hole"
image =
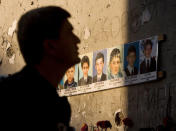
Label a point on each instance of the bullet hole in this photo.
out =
(32, 3)
(9, 52)
(99, 112)
(108, 5)
(89, 15)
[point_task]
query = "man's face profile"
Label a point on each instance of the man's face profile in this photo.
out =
(148, 51)
(67, 48)
(85, 69)
(70, 74)
(131, 58)
(115, 65)
(99, 66)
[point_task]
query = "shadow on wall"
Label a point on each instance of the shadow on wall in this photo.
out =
(151, 105)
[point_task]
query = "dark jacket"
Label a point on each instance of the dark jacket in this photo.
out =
(83, 82)
(30, 102)
(133, 73)
(67, 85)
(103, 78)
(152, 67)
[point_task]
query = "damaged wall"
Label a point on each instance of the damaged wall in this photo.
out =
(103, 24)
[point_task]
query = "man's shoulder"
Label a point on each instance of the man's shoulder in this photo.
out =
(153, 59)
(81, 79)
(103, 75)
(142, 63)
(89, 77)
(12, 80)
(126, 69)
(95, 78)
(135, 69)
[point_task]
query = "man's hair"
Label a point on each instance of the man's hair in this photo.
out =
(148, 42)
(99, 55)
(85, 59)
(115, 53)
(36, 26)
(131, 49)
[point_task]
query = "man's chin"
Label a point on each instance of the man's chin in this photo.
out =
(76, 61)
(73, 62)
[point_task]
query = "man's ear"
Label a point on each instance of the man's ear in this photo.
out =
(49, 47)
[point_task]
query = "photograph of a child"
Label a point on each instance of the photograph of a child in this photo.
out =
(148, 56)
(70, 79)
(85, 70)
(99, 65)
(131, 59)
(115, 57)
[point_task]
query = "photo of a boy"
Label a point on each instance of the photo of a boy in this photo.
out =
(86, 79)
(131, 58)
(70, 82)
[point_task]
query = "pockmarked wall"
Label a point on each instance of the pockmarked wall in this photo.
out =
(104, 24)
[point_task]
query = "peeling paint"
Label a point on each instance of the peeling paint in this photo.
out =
(86, 33)
(84, 114)
(8, 46)
(12, 59)
(12, 28)
(146, 16)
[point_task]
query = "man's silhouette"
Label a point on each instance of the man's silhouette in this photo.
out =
(28, 99)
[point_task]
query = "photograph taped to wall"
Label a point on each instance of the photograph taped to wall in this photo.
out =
(115, 62)
(148, 55)
(61, 84)
(71, 77)
(115, 73)
(133, 54)
(131, 63)
(85, 69)
(99, 65)
(148, 59)
(131, 58)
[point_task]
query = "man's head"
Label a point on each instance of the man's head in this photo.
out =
(115, 61)
(85, 65)
(148, 48)
(131, 55)
(70, 74)
(99, 63)
(46, 32)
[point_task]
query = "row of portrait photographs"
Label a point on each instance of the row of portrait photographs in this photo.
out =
(118, 62)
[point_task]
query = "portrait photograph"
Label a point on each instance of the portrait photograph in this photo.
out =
(131, 58)
(148, 55)
(85, 69)
(61, 85)
(99, 65)
(115, 62)
(71, 77)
